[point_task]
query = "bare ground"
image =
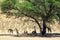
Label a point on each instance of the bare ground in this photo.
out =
(51, 36)
(27, 38)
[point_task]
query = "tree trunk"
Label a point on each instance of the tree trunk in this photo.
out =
(44, 28)
(35, 21)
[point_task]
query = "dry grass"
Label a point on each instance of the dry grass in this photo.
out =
(6, 23)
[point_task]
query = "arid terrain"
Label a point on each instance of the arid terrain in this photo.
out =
(23, 24)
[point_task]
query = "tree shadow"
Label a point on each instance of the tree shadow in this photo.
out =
(53, 35)
(33, 35)
(6, 35)
(39, 35)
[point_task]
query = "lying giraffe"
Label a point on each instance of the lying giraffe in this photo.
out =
(10, 31)
(34, 32)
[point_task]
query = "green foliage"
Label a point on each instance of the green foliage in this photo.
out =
(46, 9)
(8, 5)
(0, 5)
(28, 8)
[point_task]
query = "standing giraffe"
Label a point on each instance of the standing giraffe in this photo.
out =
(49, 29)
(17, 31)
